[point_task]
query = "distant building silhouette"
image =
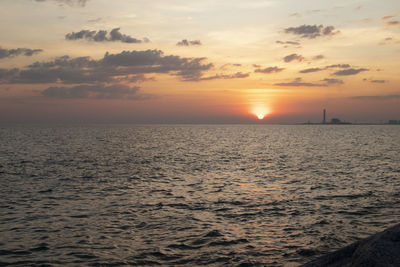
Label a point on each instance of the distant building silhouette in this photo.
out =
(324, 117)
(335, 121)
(394, 122)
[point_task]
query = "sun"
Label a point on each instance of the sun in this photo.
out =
(261, 111)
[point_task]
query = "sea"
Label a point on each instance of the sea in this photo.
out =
(193, 195)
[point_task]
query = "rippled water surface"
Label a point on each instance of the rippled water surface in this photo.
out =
(193, 195)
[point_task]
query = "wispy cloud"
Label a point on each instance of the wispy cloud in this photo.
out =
(388, 21)
(94, 20)
(335, 66)
(340, 66)
(227, 65)
(298, 82)
(68, 2)
(269, 70)
(237, 75)
(293, 57)
(312, 31)
(348, 72)
(310, 70)
(375, 81)
(8, 53)
(376, 97)
(288, 43)
(185, 42)
(332, 81)
(294, 15)
(387, 17)
(392, 23)
(98, 91)
(103, 36)
(318, 57)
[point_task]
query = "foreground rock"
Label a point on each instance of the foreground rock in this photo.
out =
(381, 249)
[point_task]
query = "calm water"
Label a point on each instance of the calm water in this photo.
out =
(193, 195)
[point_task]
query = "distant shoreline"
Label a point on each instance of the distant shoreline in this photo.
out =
(346, 123)
(6, 124)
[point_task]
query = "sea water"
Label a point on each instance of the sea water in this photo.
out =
(193, 195)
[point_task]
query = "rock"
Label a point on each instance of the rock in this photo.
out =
(379, 250)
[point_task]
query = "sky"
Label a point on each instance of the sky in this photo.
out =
(210, 61)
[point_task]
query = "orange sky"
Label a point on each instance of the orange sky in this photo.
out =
(199, 61)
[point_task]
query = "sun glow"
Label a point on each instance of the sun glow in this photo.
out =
(261, 112)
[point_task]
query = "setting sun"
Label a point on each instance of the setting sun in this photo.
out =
(260, 111)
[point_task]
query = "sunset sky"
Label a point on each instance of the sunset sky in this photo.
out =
(175, 61)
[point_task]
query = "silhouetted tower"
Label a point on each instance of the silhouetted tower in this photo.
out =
(324, 117)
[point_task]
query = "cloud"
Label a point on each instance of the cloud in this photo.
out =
(311, 70)
(237, 75)
(9, 53)
(111, 68)
(293, 57)
(347, 72)
(298, 83)
(95, 20)
(318, 57)
(103, 36)
(376, 97)
(378, 81)
(392, 22)
(225, 66)
(135, 78)
(312, 31)
(6, 73)
(332, 81)
(269, 70)
(99, 91)
(340, 66)
(387, 40)
(367, 20)
(387, 20)
(153, 61)
(387, 17)
(287, 43)
(68, 2)
(185, 42)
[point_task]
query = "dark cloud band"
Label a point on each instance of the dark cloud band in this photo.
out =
(348, 72)
(103, 36)
(269, 70)
(111, 68)
(185, 42)
(9, 53)
(293, 57)
(312, 31)
(99, 91)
